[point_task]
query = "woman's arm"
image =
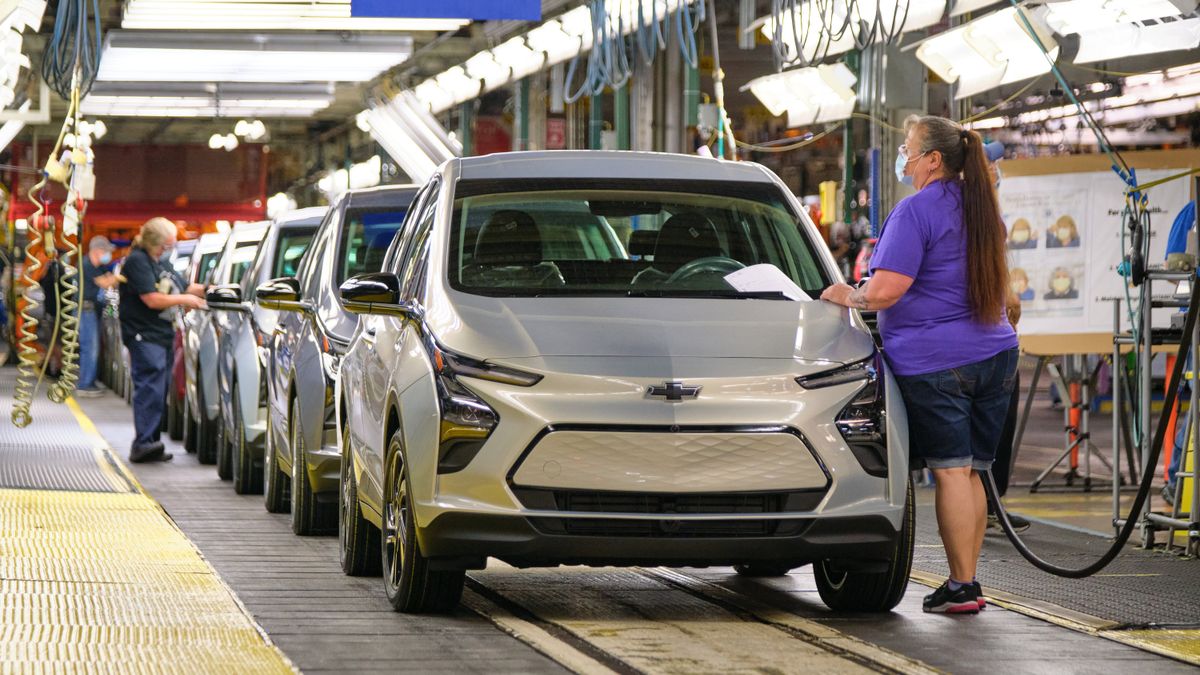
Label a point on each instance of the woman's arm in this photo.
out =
(158, 300)
(884, 289)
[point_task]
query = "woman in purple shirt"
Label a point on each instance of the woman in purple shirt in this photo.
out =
(939, 280)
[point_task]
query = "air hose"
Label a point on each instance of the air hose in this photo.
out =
(1143, 492)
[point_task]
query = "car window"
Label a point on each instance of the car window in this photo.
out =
(205, 265)
(366, 236)
(239, 261)
(391, 260)
(309, 271)
(290, 248)
(413, 259)
(623, 238)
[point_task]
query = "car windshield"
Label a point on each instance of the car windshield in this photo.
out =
(676, 239)
(292, 245)
(365, 240)
(240, 259)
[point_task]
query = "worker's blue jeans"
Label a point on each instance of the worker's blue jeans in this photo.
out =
(89, 347)
(150, 368)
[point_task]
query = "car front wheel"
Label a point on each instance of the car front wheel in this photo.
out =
(309, 517)
(871, 591)
(411, 586)
(275, 481)
(246, 481)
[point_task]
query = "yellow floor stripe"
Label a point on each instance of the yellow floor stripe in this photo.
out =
(104, 581)
(114, 470)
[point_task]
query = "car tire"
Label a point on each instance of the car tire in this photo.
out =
(224, 452)
(358, 539)
(246, 480)
(762, 569)
(174, 419)
(411, 585)
(872, 591)
(206, 432)
(190, 432)
(275, 482)
(308, 516)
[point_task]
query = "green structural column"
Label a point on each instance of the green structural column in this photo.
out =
(621, 116)
(691, 94)
(522, 115)
(466, 127)
(848, 196)
(595, 121)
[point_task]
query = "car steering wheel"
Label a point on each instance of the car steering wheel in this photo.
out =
(717, 264)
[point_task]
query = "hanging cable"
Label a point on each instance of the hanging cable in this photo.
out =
(72, 55)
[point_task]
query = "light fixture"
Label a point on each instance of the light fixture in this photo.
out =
(364, 125)
(1110, 29)
(989, 52)
(306, 15)
(216, 141)
(966, 6)
(231, 143)
(141, 56)
(460, 86)
(279, 204)
(484, 67)
(808, 95)
(519, 57)
(185, 99)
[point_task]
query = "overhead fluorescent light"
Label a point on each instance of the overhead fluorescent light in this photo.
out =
(518, 56)
(964, 6)
(460, 86)
(180, 99)
(132, 56)
(808, 95)
(1110, 29)
(989, 52)
(306, 15)
(484, 67)
(411, 135)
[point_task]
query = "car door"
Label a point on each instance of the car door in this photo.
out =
(389, 345)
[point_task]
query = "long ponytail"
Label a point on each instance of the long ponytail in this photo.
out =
(965, 161)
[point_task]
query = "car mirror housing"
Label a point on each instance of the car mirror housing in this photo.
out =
(225, 296)
(281, 294)
(375, 293)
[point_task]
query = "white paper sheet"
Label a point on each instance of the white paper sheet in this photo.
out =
(766, 278)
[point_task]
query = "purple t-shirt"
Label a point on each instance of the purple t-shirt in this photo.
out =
(931, 327)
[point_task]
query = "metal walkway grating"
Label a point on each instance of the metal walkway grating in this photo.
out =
(26, 466)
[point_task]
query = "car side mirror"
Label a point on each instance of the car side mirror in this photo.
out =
(281, 294)
(375, 293)
(226, 297)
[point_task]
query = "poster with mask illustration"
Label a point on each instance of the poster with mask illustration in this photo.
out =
(1064, 246)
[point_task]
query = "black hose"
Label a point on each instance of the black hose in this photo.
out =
(989, 484)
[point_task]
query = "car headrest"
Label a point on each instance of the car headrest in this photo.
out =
(509, 237)
(683, 238)
(641, 242)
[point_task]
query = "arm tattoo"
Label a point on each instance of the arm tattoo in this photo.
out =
(858, 298)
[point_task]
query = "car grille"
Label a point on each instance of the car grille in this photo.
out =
(670, 529)
(587, 501)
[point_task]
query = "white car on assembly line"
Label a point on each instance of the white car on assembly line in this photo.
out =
(610, 358)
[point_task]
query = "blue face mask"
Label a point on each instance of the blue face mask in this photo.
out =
(901, 164)
(105, 258)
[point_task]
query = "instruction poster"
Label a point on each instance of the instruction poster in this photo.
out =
(1065, 243)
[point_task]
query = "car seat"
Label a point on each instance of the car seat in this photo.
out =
(508, 254)
(684, 237)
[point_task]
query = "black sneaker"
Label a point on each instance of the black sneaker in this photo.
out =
(945, 601)
(151, 452)
(1018, 523)
(982, 601)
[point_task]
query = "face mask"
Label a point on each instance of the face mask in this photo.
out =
(1020, 236)
(901, 163)
(1061, 285)
(166, 255)
(105, 258)
(1064, 233)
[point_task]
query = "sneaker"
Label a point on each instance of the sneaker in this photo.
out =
(1168, 495)
(979, 594)
(1019, 524)
(159, 456)
(945, 601)
(93, 391)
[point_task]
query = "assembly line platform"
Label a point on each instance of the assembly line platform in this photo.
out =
(106, 567)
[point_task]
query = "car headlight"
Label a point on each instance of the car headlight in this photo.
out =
(863, 422)
(466, 420)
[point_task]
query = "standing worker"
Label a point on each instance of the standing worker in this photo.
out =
(939, 278)
(96, 276)
(151, 288)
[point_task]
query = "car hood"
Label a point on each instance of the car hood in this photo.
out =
(507, 328)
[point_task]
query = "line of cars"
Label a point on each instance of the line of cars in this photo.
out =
(559, 358)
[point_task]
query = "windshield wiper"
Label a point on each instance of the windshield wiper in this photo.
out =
(722, 294)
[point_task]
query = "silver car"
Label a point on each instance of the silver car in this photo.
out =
(524, 388)
(243, 331)
(199, 353)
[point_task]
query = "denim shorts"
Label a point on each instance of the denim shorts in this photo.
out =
(956, 416)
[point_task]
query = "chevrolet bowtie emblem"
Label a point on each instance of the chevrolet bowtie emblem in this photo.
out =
(673, 391)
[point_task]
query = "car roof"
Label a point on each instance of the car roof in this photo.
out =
(253, 231)
(382, 197)
(305, 217)
(185, 246)
(211, 242)
(616, 164)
